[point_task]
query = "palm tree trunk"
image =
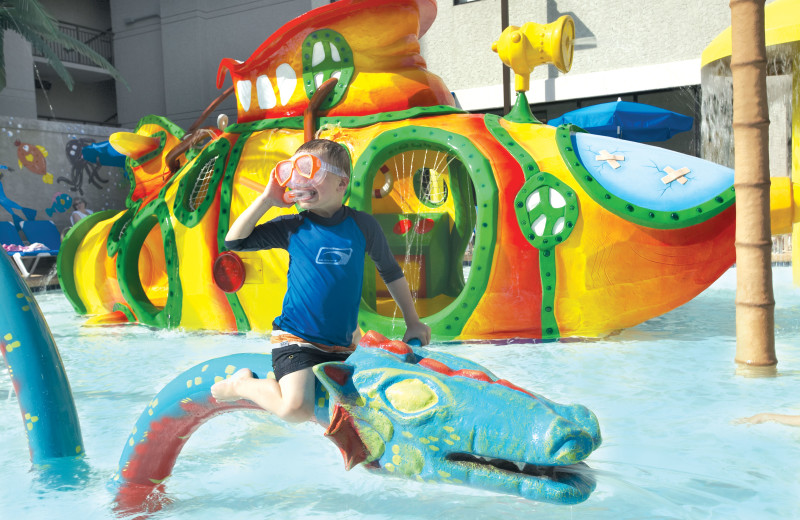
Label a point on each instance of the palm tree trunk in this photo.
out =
(755, 303)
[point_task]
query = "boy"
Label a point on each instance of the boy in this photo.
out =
(326, 244)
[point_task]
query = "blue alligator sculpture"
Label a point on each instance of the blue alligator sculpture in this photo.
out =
(407, 412)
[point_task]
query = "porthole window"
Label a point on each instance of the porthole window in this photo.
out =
(430, 187)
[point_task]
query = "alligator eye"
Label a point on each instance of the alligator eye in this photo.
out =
(411, 395)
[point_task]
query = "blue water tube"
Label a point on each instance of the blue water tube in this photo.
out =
(37, 373)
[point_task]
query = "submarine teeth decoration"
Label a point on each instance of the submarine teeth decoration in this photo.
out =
(570, 234)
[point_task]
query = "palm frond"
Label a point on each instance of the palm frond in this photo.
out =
(35, 24)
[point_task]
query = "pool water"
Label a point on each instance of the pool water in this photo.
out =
(665, 393)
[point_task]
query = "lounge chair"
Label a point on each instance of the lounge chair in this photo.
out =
(42, 231)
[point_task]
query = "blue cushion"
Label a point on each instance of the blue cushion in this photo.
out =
(42, 231)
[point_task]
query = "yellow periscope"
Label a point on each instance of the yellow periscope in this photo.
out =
(524, 48)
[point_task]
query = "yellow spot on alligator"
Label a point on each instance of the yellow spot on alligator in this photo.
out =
(432, 447)
(8, 337)
(20, 295)
(130, 441)
(457, 481)
(150, 411)
(154, 403)
(186, 400)
(189, 383)
(230, 369)
(133, 431)
(455, 437)
(205, 367)
(411, 395)
(389, 467)
(321, 402)
(26, 308)
(408, 460)
(423, 440)
(433, 439)
(448, 441)
(448, 429)
(360, 401)
(408, 435)
(78, 449)
(11, 346)
(444, 474)
(218, 379)
(198, 380)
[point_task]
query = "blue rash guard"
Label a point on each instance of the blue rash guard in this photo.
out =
(326, 269)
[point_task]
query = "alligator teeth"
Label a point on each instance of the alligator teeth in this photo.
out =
(266, 95)
(287, 81)
(243, 93)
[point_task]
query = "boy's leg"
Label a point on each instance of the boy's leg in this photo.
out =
(292, 399)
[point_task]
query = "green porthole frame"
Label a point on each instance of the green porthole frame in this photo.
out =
(154, 214)
(344, 66)
(450, 321)
(646, 217)
(219, 150)
(542, 183)
(118, 229)
(226, 195)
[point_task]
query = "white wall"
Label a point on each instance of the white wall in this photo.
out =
(18, 98)
(171, 58)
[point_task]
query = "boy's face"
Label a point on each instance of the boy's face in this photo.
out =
(326, 197)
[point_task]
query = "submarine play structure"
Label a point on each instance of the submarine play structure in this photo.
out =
(570, 234)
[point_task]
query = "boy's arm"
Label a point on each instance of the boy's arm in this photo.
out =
(272, 196)
(414, 327)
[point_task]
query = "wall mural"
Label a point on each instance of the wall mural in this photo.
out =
(32, 158)
(81, 166)
(10, 205)
(34, 147)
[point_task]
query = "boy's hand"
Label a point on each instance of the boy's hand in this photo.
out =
(417, 330)
(273, 194)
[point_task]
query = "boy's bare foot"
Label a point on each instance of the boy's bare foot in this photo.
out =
(225, 390)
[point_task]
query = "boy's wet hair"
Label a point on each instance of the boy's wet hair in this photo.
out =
(330, 151)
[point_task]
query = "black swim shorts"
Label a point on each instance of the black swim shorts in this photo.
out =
(292, 358)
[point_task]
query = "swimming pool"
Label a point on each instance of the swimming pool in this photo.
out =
(665, 394)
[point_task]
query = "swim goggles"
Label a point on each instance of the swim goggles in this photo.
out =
(303, 171)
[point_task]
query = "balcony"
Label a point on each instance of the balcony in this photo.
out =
(99, 41)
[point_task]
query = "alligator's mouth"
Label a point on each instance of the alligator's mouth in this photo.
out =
(570, 483)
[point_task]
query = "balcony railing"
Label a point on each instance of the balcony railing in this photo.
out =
(99, 41)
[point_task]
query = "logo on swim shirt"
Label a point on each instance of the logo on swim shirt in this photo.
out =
(334, 255)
